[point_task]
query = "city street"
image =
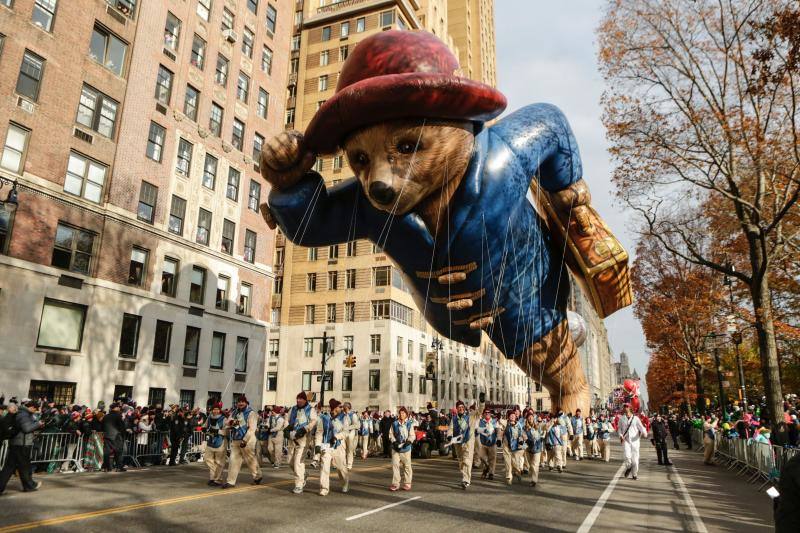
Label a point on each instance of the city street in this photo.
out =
(588, 496)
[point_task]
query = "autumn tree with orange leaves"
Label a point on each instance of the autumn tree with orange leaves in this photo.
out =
(703, 116)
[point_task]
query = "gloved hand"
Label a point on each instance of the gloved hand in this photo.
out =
(292, 435)
(300, 433)
(242, 444)
(317, 450)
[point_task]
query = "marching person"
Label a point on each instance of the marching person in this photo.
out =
(375, 434)
(329, 444)
(214, 455)
(534, 438)
(401, 437)
(577, 430)
(604, 430)
(262, 435)
(275, 427)
(660, 430)
(487, 440)
(631, 430)
(463, 426)
(709, 439)
(513, 447)
(301, 420)
(591, 438)
(554, 443)
(242, 426)
(352, 424)
(364, 427)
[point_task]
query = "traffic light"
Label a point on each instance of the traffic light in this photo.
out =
(350, 361)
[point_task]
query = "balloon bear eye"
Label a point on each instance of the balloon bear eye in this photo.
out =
(406, 147)
(361, 158)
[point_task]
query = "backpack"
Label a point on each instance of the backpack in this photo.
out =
(8, 427)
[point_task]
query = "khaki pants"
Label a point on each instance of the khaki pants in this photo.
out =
(215, 461)
(338, 458)
(577, 446)
(261, 450)
(275, 449)
(534, 460)
(594, 447)
(487, 455)
(605, 449)
(555, 457)
(563, 450)
(363, 443)
(297, 452)
(350, 448)
(513, 462)
(246, 455)
(708, 450)
(401, 468)
(464, 452)
(374, 444)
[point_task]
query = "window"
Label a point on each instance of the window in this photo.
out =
(337, 162)
(172, 32)
(223, 289)
(263, 103)
(72, 249)
(272, 381)
(361, 24)
(399, 346)
(6, 223)
(177, 212)
(326, 33)
(203, 227)
(169, 277)
(330, 315)
(137, 267)
(190, 102)
(410, 388)
(155, 141)
(163, 91)
(252, 5)
(349, 311)
(30, 75)
(97, 111)
(387, 18)
(258, 144)
(186, 398)
(333, 280)
(250, 239)
(243, 87)
(244, 299)
(221, 75)
(266, 59)
(348, 345)
(344, 51)
(215, 120)
(237, 134)
(240, 359)
(183, 164)
(298, 17)
(44, 12)
(294, 65)
(148, 196)
(198, 58)
(203, 11)
(197, 288)
(61, 326)
(345, 29)
(290, 116)
(333, 251)
(162, 341)
(375, 344)
(210, 172)
(380, 276)
(108, 50)
(351, 249)
(421, 351)
(312, 253)
(156, 396)
(322, 84)
(380, 309)
(254, 196)
(324, 58)
(228, 233)
(310, 314)
(191, 346)
(227, 22)
(272, 16)
(278, 285)
(274, 348)
(217, 350)
(350, 278)
(399, 381)
(306, 385)
(308, 347)
(347, 380)
(247, 42)
(14, 150)
(129, 336)
(374, 380)
(311, 281)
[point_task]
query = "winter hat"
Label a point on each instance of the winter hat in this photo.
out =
(302, 396)
(333, 403)
(459, 403)
(74, 415)
(242, 398)
(402, 410)
(217, 405)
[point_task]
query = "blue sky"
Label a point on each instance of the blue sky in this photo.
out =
(547, 52)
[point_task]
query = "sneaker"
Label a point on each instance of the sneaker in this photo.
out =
(323, 493)
(212, 483)
(509, 481)
(669, 463)
(257, 481)
(491, 476)
(407, 486)
(297, 490)
(36, 486)
(313, 464)
(275, 467)
(227, 485)
(627, 471)
(393, 488)
(561, 470)
(533, 483)
(464, 485)
(346, 487)
(634, 478)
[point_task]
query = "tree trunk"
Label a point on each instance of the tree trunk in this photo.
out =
(767, 347)
(701, 393)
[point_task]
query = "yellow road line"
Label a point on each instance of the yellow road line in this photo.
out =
(157, 503)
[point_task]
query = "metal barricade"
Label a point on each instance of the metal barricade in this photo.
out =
(152, 447)
(196, 445)
(58, 450)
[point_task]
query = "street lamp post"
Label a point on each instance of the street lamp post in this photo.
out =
(437, 345)
(719, 371)
(736, 337)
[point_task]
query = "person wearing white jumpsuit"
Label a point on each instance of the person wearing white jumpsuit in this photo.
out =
(463, 426)
(487, 431)
(329, 444)
(275, 427)
(401, 437)
(351, 427)
(364, 427)
(300, 423)
(631, 430)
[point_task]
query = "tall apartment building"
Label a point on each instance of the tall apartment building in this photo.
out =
(351, 292)
(471, 26)
(135, 261)
(595, 351)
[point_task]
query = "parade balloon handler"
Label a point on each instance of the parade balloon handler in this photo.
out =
(300, 423)
(450, 201)
(402, 438)
(329, 444)
(242, 427)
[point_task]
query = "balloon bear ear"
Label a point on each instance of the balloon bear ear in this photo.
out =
(267, 214)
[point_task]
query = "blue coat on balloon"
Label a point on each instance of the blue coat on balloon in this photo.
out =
(493, 234)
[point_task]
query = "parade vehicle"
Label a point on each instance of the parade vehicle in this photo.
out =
(424, 444)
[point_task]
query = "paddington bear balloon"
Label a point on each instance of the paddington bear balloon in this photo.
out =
(480, 218)
(631, 389)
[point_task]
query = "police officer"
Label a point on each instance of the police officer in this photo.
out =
(487, 439)
(660, 440)
(300, 421)
(242, 426)
(214, 455)
(329, 444)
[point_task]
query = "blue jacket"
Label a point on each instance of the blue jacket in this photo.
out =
(459, 425)
(329, 430)
(513, 436)
(495, 235)
(239, 432)
(535, 440)
(215, 441)
(553, 436)
(491, 439)
(404, 443)
(577, 425)
(300, 418)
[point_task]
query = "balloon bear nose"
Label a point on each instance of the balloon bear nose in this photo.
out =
(381, 193)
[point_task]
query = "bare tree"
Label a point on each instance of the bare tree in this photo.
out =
(702, 114)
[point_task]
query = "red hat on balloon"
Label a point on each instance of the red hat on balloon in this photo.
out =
(399, 74)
